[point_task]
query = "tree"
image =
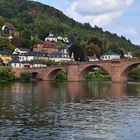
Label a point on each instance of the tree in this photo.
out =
(17, 41)
(78, 51)
(25, 77)
(105, 43)
(92, 49)
(6, 75)
(2, 20)
(96, 41)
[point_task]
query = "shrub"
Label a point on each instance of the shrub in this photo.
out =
(6, 75)
(25, 77)
(61, 76)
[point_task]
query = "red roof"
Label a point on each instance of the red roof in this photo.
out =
(48, 44)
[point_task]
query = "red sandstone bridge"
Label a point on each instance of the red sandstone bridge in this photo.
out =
(76, 71)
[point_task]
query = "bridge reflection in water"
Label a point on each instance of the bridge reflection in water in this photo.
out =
(46, 92)
(82, 90)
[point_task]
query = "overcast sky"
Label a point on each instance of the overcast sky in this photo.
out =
(117, 16)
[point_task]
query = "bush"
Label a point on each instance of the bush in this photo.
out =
(61, 76)
(98, 75)
(25, 77)
(6, 75)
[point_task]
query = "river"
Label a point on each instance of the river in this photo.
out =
(70, 111)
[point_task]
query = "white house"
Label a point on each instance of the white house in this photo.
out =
(127, 54)
(29, 56)
(19, 51)
(64, 39)
(92, 58)
(110, 56)
(15, 63)
(59, 56)
(51, 37)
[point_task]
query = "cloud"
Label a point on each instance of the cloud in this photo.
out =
(98, 12)
(129, 31)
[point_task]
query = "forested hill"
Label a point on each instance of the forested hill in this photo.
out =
(34, 18)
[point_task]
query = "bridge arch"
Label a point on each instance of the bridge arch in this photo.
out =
(52, 74)
(88, 68)
(36, 75)
(128, 69)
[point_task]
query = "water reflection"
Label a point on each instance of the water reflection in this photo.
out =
(69, 110)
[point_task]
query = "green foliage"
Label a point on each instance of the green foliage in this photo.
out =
(136, 53)
(37, 19)
(134, 75)
(78, 51)
(97, 75)
(6, 75)
(25, 77)
(2, 20)
(61, 76)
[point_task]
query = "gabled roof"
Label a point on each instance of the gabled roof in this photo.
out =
(9, 26)
(57, 54)
(51, 36)
(30, 53)
(44, 54)
(5, 52)
(14, 60)
(23, 49)
(48, 44)
(110, 53)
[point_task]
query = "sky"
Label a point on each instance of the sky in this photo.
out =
(117, 16)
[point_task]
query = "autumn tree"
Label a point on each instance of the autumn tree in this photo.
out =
(17, 41)
(92, 49)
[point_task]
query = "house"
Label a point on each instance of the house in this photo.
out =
(110, 56)
(39, 46)
(9, 28)
(42, 55)
(127, 54)
(64, 39)
(92, 58)
(51, 38)
(5, 56)
(29, 56)
(50, 47)
(20, 51)
(16, 63)
(59, 56)
(45, 46)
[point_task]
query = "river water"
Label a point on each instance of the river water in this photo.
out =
(70, 111)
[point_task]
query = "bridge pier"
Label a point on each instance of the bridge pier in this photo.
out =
(119, 79)
(73, 72)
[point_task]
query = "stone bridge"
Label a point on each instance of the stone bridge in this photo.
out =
(76, 71)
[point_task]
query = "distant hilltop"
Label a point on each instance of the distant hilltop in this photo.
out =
(31, 20)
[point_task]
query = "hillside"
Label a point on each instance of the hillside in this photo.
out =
(36, 19)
